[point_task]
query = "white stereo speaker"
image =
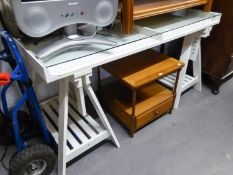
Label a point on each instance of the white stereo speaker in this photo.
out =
(37, 18)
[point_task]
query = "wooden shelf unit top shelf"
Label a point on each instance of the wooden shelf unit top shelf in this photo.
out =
(142, 68)
(146, 8)
(137, 9)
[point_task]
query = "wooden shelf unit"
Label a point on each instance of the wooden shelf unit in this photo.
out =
(137, 9)
(136, 98)
(152, 101)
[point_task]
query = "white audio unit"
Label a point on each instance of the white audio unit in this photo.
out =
(37, 18)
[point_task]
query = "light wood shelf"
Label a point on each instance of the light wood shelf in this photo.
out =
(152, 101)
(147, 97)
(142, 68)
(137, 9)
(147, 8)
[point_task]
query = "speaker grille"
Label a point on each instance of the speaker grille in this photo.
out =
(104, 12)
(37, 19)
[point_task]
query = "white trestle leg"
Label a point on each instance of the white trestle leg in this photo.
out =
(74, 130)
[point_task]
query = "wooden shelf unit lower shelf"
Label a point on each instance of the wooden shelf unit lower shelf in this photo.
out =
(153, 101)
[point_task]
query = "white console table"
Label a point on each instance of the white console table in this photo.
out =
(75, 65)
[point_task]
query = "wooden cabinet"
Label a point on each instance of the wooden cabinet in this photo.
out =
(217, 52)
(136, 98)
(137, 9)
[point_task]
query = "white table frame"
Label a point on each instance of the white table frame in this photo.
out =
(191, 50)
(80, 70)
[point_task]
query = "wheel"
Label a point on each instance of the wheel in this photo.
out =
(34, 160)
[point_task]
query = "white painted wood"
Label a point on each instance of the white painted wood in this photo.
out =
(82, 123)
(29, 56)
(62, 125)
(185, 55)
(189, 83)
(73, 127)
(206, 32)
(188, 78)
(44, 102)
(87, 145)
(98, 108)
(51, 108)
(164, 81)
(195, 48)
(81, 101)
(81, 106)
(190, 49)
(169, 79)
(197, 68)
(173, 76)
(54, 118)
(51, 129)
(88, 118)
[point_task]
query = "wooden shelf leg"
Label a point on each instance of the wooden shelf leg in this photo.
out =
(133, 118)
(207, 7)
(175, 89)
(62, 128)
(127, 16)
(91, 94)
(132, 129)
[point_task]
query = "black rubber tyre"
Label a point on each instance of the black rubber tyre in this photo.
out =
(34, 160)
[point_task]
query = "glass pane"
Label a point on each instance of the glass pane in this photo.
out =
(157, 25)
(172, 21)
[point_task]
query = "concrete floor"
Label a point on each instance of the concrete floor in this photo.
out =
(197, 139)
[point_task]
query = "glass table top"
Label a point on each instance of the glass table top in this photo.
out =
(157, 25)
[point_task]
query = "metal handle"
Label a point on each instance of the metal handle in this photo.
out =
(5, 79)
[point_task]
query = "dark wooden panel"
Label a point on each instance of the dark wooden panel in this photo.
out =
(217, 49)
